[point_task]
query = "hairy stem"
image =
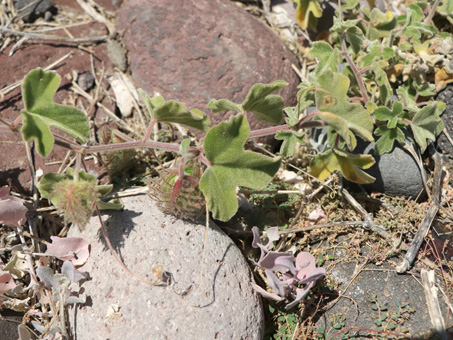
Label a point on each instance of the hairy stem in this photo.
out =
(430, 16)
(354, 70)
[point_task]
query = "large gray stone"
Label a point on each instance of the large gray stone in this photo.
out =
(194, 51)
(144, 237)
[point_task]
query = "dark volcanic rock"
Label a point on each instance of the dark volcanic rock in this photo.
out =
(194, 51)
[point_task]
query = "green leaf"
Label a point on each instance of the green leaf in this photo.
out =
(332, 97)
(388, 136)
(328, 57)
(114, 204)
(306, 13)
(354, 36)
(415, 27)
(184, 146)
(382, 23)
(384, 114)
(427, 124)
(341, 127)
(445, 8)
(290, 138)
(231, 166)
(40, 113)
(350, 4)
(340, 25)
(262, 104)
(151, 103)
(374, 50)
(407, 99)
(223, 105)
(293, 116)
(45, 185)
(175, 112)
(348, 164)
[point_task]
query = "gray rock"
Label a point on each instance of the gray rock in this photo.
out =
(444, 144)
(29, 10)
(144, 237)
(396, 172)
(194, 51)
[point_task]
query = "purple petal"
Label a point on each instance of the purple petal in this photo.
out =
(265, 293)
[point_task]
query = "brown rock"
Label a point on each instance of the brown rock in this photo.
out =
(14, 169)
(194, 51)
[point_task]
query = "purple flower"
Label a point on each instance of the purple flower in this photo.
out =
(291, 277)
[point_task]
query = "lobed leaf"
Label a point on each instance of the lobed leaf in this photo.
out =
(262, 104)
(290, 139)
(40, 113)
(427, 124)
(388, 136)
(232, 166)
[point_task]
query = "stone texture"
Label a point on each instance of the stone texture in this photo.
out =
(144, 238)
(194, 51)
(444, 144)
(396, 172)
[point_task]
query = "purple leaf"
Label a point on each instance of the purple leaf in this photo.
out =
(12, 210)
(301, 293)
(276, 261)
(306, 268)
(265, 293)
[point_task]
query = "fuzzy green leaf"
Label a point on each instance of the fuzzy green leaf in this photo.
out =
(223, 105)
(332, 97)
(340, 126)
(388, 136)
(415, 27)
(381, 23)
(175, 112)
(427, 124)
(374, 50)
(40, 113)
(355, 37)
(232, 166)
(391, 116)
(265, 106)
(348, 164)
(151, 103)
(293, 116)
(290, 138)
(328, 57)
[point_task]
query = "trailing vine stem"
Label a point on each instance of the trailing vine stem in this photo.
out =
(355, 70)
